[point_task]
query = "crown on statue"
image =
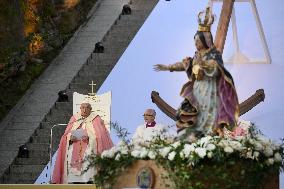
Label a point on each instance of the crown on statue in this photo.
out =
(205, 20)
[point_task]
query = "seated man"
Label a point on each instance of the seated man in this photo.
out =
(84, 135)
(149, 130)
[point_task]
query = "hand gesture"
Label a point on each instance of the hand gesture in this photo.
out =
(186, 59)
(160, 67)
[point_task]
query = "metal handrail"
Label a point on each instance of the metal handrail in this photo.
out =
(50, 149)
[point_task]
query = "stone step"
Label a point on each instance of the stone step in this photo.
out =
(62, 109)
(18, 181)
(38, 139)
(21, 178)
(87, 77)
(46, 125)
(56, 119)
(23, 125)
(44, 153)
(129, 26)
(94, 69)
(117, 37)
(81, 91)
(37, 146)
(65, 112)
(38, 154)
(48, 128)
(142, 6)
(81, 85)
(31, 161)
(117, 42)
(9, 146)
(121, 32)
(56, 131)
(118, 50)
(121, 27)
(63, 105)
(98, 66)
(17, 136)
(136, 17)
(103, 59)
(91, 71)
(26, 169)
(107, 53)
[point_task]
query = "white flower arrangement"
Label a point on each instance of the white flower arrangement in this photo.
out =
(257, 148)
(246, 150)
(172, 155)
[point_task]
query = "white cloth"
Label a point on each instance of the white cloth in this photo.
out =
(145, 135)
(73, 175)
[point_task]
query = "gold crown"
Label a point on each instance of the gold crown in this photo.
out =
(205, 20)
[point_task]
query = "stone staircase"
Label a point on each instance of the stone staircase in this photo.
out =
(97, 68)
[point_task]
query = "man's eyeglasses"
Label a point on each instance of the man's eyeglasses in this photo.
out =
(147, 115)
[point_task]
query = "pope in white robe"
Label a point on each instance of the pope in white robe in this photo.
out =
(84, 135)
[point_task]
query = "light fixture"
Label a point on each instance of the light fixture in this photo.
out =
(23, 151)
(62, 96)
(126, 10)
(99, 48)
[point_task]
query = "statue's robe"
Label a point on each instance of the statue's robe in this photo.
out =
(225, 110)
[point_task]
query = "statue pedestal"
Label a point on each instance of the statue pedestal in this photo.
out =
(129, 178)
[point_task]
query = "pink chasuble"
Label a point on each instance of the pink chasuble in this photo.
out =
(102, 142)
(79, 148)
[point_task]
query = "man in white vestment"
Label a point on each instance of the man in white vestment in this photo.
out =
(148, 131)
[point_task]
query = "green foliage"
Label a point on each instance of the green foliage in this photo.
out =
(109, 170)
(48, 10)
(230, 173)
(121, 133)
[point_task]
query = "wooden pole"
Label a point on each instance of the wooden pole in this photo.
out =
(223, 24)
